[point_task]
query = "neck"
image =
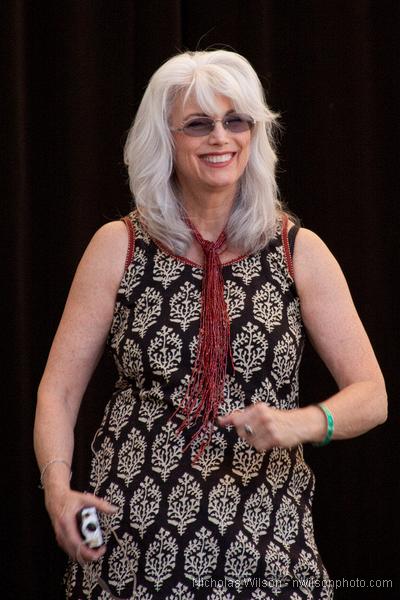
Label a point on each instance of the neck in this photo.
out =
(208, 212)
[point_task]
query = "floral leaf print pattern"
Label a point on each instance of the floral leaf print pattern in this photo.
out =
(160, 558)
(146, 310)
(284, 361)
(101, 463)
(287, 523)
(241, 559)
(166, 269)
(145, 504)
(115, 496)
(167, 451)
(249, 350)
(134, 273)
(119, 325)
(184, 503)
(91, 576)
(212, 457)
(260, 595)
(201, 555)
(179, 393)
(221, 593)
(306, 569)
(165, 352)
(132, 362)
(278, 269)
(268, 306)
(121, 411)
(124, 563)
(234, 397)
(278, 468)
(246, 461)
(152, 405)
(277, 567)
(141, 593)
(181, 592)
(308, 529)
(266, 393)
(185, 305)
(131, 456)
(248, 268)
(299, 481)
(223, 503)
(294, 319)
(257, 513)
(234, 296)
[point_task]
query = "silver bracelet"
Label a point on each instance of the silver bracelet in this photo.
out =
(51, 462)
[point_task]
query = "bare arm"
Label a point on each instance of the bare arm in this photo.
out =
(76, 349)
(339, 338)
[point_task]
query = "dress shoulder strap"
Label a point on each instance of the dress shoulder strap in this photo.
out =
(288, 239)
(131, 241)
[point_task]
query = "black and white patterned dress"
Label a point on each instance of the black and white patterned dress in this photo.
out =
(237, 523)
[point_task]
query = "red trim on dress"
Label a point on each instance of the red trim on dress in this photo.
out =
(286, 246)
(131, 241)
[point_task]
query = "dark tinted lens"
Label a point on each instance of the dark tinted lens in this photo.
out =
(199, 126)
(238, 123)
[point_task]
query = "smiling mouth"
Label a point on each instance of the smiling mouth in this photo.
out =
(218, 158)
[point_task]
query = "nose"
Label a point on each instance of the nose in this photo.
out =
(219, 134)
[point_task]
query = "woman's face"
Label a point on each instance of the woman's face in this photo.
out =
(196, 158)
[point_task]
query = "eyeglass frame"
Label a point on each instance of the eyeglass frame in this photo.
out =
(249, 120)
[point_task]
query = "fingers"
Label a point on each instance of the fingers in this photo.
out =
(63, 512)
(232, 418)
(100, 504)
(239, 417)
(251, 424)
(244, 422)
(84, 554)
(265, 427)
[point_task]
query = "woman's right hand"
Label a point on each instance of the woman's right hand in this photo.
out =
(63, 505)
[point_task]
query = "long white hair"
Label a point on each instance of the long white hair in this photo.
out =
(149, 149)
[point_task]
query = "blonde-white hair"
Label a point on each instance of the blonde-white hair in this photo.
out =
(149, 149)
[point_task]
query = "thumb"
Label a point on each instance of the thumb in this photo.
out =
(224, 420)
(100, 504)
(230, 418)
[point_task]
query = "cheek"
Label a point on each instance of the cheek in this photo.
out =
(245, 149)
(184, 158)
(244, 157)
(180, 162)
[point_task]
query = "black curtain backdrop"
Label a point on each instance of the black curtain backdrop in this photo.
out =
(72, 76)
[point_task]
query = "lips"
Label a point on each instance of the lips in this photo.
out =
(218, 159)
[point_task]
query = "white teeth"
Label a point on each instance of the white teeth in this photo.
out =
(213, 158)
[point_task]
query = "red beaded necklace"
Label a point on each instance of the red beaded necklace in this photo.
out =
(205, 390)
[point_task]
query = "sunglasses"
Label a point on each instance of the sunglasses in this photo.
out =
(200, 126)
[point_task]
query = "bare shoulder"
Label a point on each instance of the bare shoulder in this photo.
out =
(314, 264)
(111, 239)
(105, 254)
(309, 244)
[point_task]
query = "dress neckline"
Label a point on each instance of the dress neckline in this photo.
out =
(189, 262)
(183, 259)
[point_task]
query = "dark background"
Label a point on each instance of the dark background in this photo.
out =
(72, 76)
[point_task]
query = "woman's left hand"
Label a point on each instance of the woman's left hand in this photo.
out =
(264, 427)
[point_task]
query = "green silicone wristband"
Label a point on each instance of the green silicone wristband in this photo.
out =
(330, 422)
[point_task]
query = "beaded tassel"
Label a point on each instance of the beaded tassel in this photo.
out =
(205, 390)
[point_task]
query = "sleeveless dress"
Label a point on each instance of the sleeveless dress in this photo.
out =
(236, 523)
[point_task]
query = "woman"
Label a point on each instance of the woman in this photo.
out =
(203, 294)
